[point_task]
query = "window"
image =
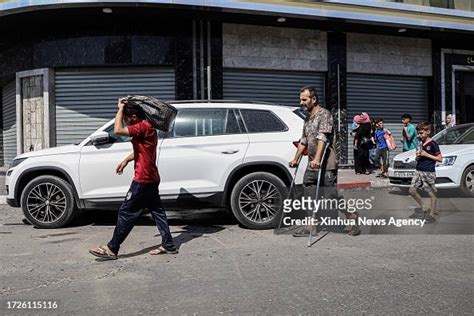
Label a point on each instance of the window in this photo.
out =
(445, 4)
(204, 122)
(462, 134)
(467, 138)
(261, 121)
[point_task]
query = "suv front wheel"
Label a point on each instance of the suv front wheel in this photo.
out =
(257, 200)
(48, 202)
(467, 181)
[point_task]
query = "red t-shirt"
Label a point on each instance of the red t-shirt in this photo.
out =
(144, 141)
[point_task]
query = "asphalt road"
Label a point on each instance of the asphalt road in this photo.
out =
(225, 269)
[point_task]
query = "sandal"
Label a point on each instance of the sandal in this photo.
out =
(163, 251)
(103, 253)
(430, 219)
(355, 231)
(348, 228)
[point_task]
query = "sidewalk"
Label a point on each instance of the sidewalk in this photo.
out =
(347, 179)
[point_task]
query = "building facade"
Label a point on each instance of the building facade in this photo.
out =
(63, 65)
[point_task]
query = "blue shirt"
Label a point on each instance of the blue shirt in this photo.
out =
(410, 144)
(380, 138)
(425, 163)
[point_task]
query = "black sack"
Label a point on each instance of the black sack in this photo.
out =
(160, 114)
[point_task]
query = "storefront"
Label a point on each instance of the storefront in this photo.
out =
(61, 81)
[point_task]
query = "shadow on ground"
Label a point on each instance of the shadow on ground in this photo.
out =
(202, 218)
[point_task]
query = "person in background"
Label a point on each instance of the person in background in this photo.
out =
(355, 127)
(362, 143)
(382, 148)
(450, 121)
(408, 133)
(373, 147)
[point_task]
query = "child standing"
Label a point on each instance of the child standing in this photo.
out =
(408, 133)
(382, 148)
(425, 176)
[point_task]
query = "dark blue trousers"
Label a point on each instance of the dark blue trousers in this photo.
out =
(139, 197)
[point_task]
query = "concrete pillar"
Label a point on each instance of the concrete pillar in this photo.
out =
(35, 112)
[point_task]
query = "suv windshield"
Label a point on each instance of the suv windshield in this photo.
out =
(461, 134)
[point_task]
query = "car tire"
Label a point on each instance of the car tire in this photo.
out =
(48, 202)
(257, 200)
(467, 182)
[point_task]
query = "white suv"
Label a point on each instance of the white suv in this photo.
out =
(219, 154)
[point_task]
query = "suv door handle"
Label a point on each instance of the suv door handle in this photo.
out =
(230, 151)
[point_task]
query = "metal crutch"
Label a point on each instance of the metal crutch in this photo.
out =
(290, 191)
(310, 237)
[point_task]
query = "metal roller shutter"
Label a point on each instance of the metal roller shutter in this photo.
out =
(9, 122)
(270, 86)
(386, 97)
(86, 99)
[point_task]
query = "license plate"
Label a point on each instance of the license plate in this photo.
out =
(403, 174)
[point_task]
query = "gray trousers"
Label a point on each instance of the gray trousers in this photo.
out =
(327, 186)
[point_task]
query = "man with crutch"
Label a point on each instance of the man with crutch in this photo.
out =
(317, 138)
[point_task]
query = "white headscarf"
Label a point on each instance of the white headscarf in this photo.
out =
(452, 120)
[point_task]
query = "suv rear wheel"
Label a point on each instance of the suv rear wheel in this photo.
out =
(257, 200)
(48, 202)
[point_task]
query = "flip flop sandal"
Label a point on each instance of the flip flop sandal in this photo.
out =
(348, 228)
(103, 255)
(430, 219)
(355, 231)
(163, 251)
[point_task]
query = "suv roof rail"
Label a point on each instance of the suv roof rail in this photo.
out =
(227, 101)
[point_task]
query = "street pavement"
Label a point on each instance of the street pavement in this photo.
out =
(223, 268)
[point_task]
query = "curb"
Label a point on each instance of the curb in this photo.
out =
(366, 184)
(353, 185)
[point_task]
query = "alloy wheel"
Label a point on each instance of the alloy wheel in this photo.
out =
(46, 203)
(259, 201)
(470, 181)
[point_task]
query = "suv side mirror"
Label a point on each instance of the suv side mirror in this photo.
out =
(100, 138)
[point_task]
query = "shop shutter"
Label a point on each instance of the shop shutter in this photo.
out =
(9, 122)
(87, 98)
(386, 97)
(279, 87)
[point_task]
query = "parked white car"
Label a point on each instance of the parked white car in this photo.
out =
(456, 171)
(220, 154)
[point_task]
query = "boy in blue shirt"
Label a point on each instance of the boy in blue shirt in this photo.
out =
(408, 133)
(382, 148)
(427, 155)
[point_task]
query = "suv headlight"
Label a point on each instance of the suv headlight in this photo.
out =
(447, 161)
(16, 162)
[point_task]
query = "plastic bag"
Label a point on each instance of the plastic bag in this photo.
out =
(160, 114)
(391, 144)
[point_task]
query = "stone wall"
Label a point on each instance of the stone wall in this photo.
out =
(278, 48)
(389, 55)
